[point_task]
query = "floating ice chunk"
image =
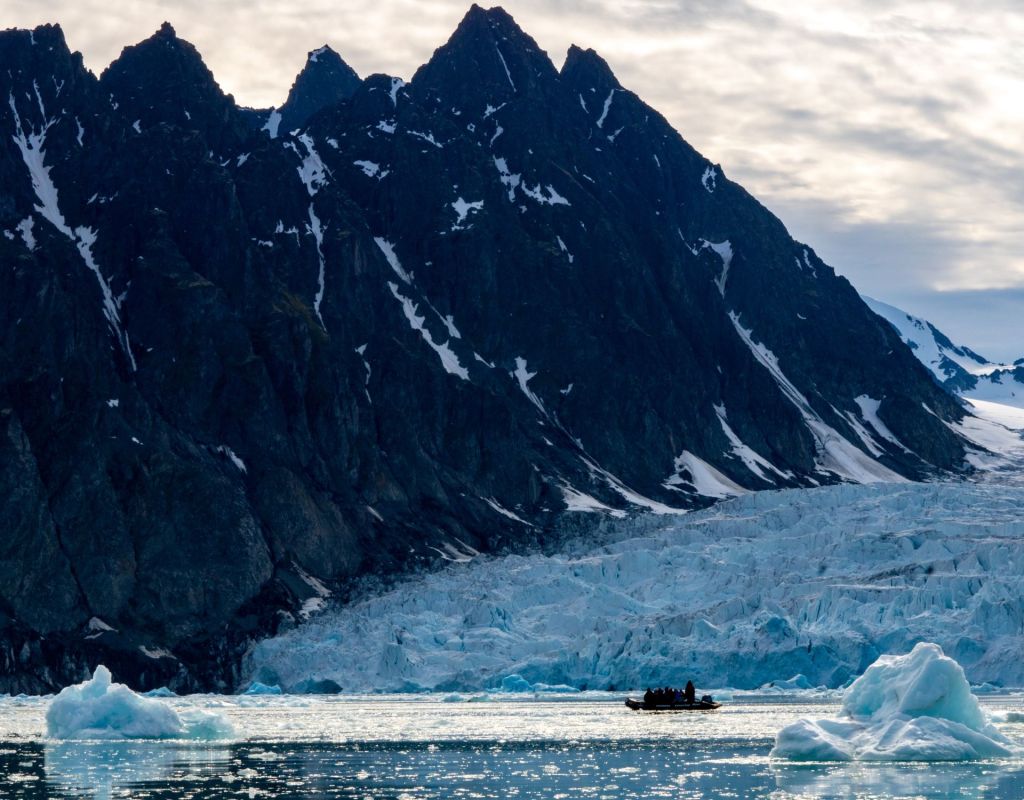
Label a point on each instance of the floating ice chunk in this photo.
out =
(517, 684)
(797, 682)
(162, 691)
(915, 707)
(262, 689)
(100, 709)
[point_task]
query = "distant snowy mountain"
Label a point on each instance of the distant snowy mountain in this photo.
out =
(960, 369)
(247, 357)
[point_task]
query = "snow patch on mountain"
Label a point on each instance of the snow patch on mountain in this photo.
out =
(705, 479)
(388, 249)
(449, 360)
(462, 211)
(316, 230)
(752, 460)
(836, 454)
(710, 179)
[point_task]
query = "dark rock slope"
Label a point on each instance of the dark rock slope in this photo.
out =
(243, 364)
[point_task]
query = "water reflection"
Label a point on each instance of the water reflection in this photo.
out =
(104, 770)
(938, 781)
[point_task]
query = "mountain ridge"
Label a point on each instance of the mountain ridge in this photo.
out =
(433, 319)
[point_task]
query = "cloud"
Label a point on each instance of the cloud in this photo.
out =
(887, 133)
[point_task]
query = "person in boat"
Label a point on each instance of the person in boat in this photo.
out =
(648, 697)
(690, 693)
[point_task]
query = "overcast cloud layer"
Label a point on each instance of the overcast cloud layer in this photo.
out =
(886, 133)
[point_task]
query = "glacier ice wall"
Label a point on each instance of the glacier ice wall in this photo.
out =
(767, 586)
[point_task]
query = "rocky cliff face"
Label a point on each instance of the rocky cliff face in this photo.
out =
(242, 364)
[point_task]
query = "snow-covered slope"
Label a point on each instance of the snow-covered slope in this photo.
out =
(960, 369)
(816, 582)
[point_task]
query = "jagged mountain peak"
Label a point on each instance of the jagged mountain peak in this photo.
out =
(163, 79)
(488, 59)
(587, 69)
(325, 80)
(455, 309)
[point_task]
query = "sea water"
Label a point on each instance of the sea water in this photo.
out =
(478, 746)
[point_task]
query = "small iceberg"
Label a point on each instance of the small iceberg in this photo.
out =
(161, 691)
(915, 707)
(257, 688)
(101, 709)
(517, 684)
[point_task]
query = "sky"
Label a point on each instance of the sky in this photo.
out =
(887, 134)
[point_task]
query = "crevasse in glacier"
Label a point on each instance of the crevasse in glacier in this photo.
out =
(816, 583)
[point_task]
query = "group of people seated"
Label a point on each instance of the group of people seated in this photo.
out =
(671, 697)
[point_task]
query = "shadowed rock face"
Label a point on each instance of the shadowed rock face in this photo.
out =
(238, 371)
(325, 81)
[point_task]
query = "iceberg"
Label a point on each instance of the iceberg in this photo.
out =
(257, 688)
(101, 709)
(517, 684)
(914, 707)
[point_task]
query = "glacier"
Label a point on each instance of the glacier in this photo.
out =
(815, 583)
(915, 707)
(100, 709)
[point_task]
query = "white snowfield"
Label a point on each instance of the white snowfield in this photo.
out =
(766, 586)
(915, 707)
(995, 382)
(100, 709)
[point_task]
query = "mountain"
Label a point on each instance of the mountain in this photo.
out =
(246, 366)
(956, 367)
